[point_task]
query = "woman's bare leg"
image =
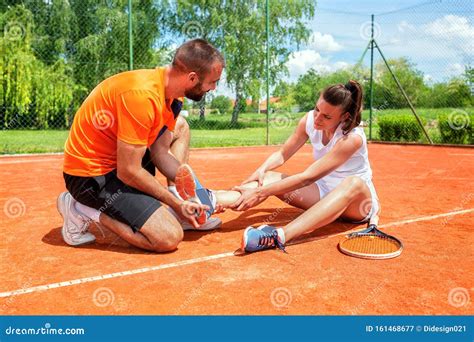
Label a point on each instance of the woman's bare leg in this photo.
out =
(303, 198)
(348, 201)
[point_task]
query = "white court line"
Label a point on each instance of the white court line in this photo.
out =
(15, 155)
(195, 260)
(399, 223)
(7, 162)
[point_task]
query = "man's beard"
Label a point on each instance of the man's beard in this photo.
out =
(195, 93)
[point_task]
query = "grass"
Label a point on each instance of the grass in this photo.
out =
(281, 126)
(19, 141)
(427, 113)
(32, 141)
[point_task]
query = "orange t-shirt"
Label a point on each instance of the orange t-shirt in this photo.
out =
(129, 106)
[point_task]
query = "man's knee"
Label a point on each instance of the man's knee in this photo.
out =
(182, 128)
(163, 231)
(168, 243)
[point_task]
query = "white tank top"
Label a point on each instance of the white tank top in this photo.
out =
(357, 165)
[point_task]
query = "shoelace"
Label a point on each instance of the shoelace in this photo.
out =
(80, 229)
(85, 226)
(270, 239)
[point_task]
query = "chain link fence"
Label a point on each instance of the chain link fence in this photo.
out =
(422, 72)
(54, 52)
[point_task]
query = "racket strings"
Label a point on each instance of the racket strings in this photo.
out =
(371, 244)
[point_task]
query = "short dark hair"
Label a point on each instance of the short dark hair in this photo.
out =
(349, 96)
(197, 55)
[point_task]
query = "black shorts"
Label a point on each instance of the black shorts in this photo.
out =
(110, 195)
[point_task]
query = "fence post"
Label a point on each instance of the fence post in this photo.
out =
(404, 93)
(130, 36)
(267, 24)
(371, 77)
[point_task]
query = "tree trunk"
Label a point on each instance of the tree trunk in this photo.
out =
(202, 108)
(258, 105)
(236, 110)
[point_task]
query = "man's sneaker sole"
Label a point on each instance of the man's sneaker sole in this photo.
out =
(209, 225)
(184, 181)
(61, 206)
(186, 187)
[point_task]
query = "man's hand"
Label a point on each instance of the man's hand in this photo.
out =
(190, 210)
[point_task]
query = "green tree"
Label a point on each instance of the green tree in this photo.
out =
(100, 38)
(237, 28)
(285, 91)
(222, 103)
(458, 93)
(306, 89)
(386, 92)
(469, 74)
(32, 94)
(52, 32)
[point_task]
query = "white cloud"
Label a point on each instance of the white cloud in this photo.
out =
(428, 79)
(455, 69)
(340, 65)
(404, 26)
(440, 47)
(323, 42)
(454, 30)
(301, 61)
(451, 27)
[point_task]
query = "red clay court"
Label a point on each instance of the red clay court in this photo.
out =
(427, 200)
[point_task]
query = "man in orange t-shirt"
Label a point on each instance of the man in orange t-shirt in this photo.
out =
(121, 132)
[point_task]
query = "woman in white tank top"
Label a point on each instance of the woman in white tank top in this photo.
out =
(337, 185)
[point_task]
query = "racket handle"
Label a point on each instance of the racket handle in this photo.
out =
(374, 220)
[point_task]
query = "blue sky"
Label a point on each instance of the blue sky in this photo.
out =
(438, 36)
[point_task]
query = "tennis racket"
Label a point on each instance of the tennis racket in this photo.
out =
(371, 243)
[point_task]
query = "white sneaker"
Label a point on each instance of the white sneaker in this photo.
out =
(75, 226)
(173, 190)
(211, 223)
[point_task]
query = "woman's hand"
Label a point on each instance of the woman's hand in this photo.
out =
(258, 176)
(219, 208)
(249, 198)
